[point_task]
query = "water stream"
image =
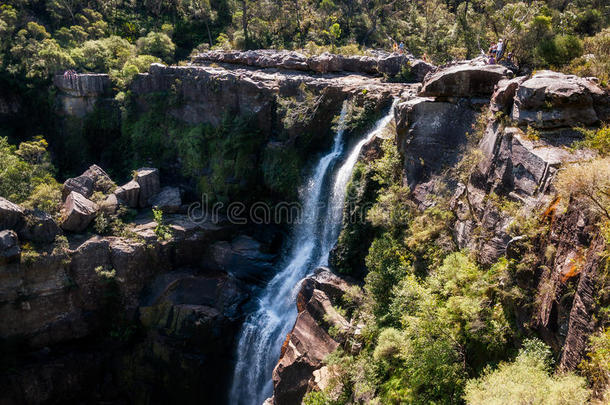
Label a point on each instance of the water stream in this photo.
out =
(265, 329)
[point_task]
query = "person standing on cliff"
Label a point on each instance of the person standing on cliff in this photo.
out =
(394, 47)
(401, 47)
(499, 49)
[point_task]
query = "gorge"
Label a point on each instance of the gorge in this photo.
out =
(443, 188)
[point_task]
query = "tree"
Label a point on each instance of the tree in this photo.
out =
(202, 10)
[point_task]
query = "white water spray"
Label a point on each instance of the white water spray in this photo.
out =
(265, 329)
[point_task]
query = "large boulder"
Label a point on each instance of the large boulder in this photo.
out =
(39, 227)
(148, 179)
(552, 100)
(464, 80)
(11, 215)
(9, 247)
(129, 194)
(101, 180)
(93, 179)
(82, 185)
(77, 212)
(168, 200)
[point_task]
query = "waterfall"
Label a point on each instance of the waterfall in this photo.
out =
(265, 329)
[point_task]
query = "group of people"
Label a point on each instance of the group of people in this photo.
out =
(400, 48)
(496, 53)
(70, 73)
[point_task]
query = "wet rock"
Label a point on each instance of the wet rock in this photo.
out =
(129, 194)
(39, 227)
(464, 81)
(148, 179)
(168, 200)
(9, 247)
(11, 215)
(552, 100)
(77, 212)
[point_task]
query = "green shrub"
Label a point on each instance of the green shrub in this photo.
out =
(162, 231)
(527, 380)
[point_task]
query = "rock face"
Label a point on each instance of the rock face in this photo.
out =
(381, 63)
(82, 185)
(309, 341)
(77, 212)
(429, 134)
(187, 317)
(464, 81)
(80, 93)
(551, 100)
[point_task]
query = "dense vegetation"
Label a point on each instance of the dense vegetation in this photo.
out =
(437, 325)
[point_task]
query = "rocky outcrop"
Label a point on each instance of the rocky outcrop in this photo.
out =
(464, 80)
(429, 134)
(93, 179)
(552, 100)
(309, 342)
(186, 314)
(77, 212)
(378, 64)
(79, 93)
(209, 92)
(11, 215)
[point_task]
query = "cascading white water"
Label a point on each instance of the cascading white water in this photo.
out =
(265, 329)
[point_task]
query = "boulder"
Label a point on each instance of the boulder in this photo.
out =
(39, 227)
(77, 212)
(553, 100)
(419, 69)
(9, 247)
(129, 194)
(110, 205)
(504, 93)
(464, 81)
(11, 215)
(148, 180)
(82, 185)
(101, 181)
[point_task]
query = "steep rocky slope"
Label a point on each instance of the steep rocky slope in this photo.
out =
(433, 132)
